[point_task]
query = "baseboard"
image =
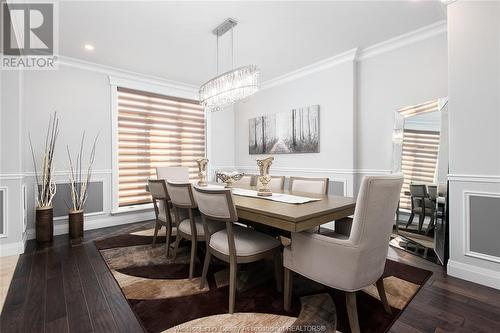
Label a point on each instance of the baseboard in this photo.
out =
(12, 249)
(99, 222)
(474, 274)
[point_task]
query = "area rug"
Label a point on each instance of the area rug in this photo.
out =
(165, 300)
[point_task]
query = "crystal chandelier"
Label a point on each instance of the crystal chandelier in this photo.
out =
(232, 86)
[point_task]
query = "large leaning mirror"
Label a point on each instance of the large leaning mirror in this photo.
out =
(420, 152)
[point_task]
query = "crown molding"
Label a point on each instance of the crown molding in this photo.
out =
(125, 74)
(310, 69)
(408, 38)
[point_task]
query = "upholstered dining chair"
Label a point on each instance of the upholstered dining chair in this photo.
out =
(308, 185)
(234, 244)
(277, 183)
(173, 174)
(190, 227)
(349, 263)
(245, 181)
(164, 216)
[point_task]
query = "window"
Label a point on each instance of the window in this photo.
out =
(419, 160)
(155, 130)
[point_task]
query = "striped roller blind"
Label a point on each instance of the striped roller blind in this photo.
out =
(155, 130)
(419, 160)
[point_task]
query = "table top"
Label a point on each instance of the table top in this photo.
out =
(294, 217)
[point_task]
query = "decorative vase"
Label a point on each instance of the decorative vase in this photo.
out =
(44, 224)
(75, 222)
(202, 171)
(264, 178)
(229, 177)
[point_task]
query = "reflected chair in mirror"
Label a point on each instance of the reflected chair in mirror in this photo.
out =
(234, 244)
(277, 183)
(163, 213)
(189, 227)
(421, 205)
(308, 185)
(432, 192)
(349, 263)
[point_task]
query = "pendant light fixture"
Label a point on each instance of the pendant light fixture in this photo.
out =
(229, 87)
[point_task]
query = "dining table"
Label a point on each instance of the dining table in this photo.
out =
(291, 217)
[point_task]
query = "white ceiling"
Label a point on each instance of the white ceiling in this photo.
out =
(173, 40)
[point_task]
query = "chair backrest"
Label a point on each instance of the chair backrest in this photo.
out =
(308, 185)
(373, 220)
(216, 204)
(432, 191)
(418, 191)
(277, 183)
(173, 174)
(245, 181)
(181, 194)
(158, 189)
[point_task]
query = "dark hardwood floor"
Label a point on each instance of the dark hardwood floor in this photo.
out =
(66, 287)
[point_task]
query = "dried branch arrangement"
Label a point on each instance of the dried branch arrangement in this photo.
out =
(79, 178)
(45, 183)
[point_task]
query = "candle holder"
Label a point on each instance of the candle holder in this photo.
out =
(264, 178)
(229, 177)
(202, 171)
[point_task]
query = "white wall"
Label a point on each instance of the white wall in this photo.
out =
(357, 103)
(11, 179)
(474, 118)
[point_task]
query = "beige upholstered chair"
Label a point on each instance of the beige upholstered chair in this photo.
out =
(421, 205)
(173, 174)
(308, 185)
(245, 181)
(190, 227)
(355, 262)
(277, 183)
(164, 216)
(233, 244)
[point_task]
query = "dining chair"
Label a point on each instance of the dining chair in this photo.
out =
(308, 185)
(277, 183)
(349, 263)
(190, 227)
(173, 174)
(163, 214)
(234, 244)
(246, 181)
(421, 205)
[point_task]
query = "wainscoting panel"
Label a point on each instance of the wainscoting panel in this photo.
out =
(62, 199)
(483, 222)
(3, 210)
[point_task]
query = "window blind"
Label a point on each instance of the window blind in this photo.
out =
(155, 130)
(419, 160)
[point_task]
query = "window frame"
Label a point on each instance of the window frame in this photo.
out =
(175, 90)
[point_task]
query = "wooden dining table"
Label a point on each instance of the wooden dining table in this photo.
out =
(294, 217)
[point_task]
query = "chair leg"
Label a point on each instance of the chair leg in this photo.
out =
(176, 246)
(410, 220)
(233, 268)
(157, 227)
(206, 263)
(193, 258)
(167, 241)
(421, 220)
(287, 295)
(278, 268)
(383, 295)
(430, 226)
(352, 311)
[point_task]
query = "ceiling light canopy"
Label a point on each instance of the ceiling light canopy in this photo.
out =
(231, 86)
(89, 47)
